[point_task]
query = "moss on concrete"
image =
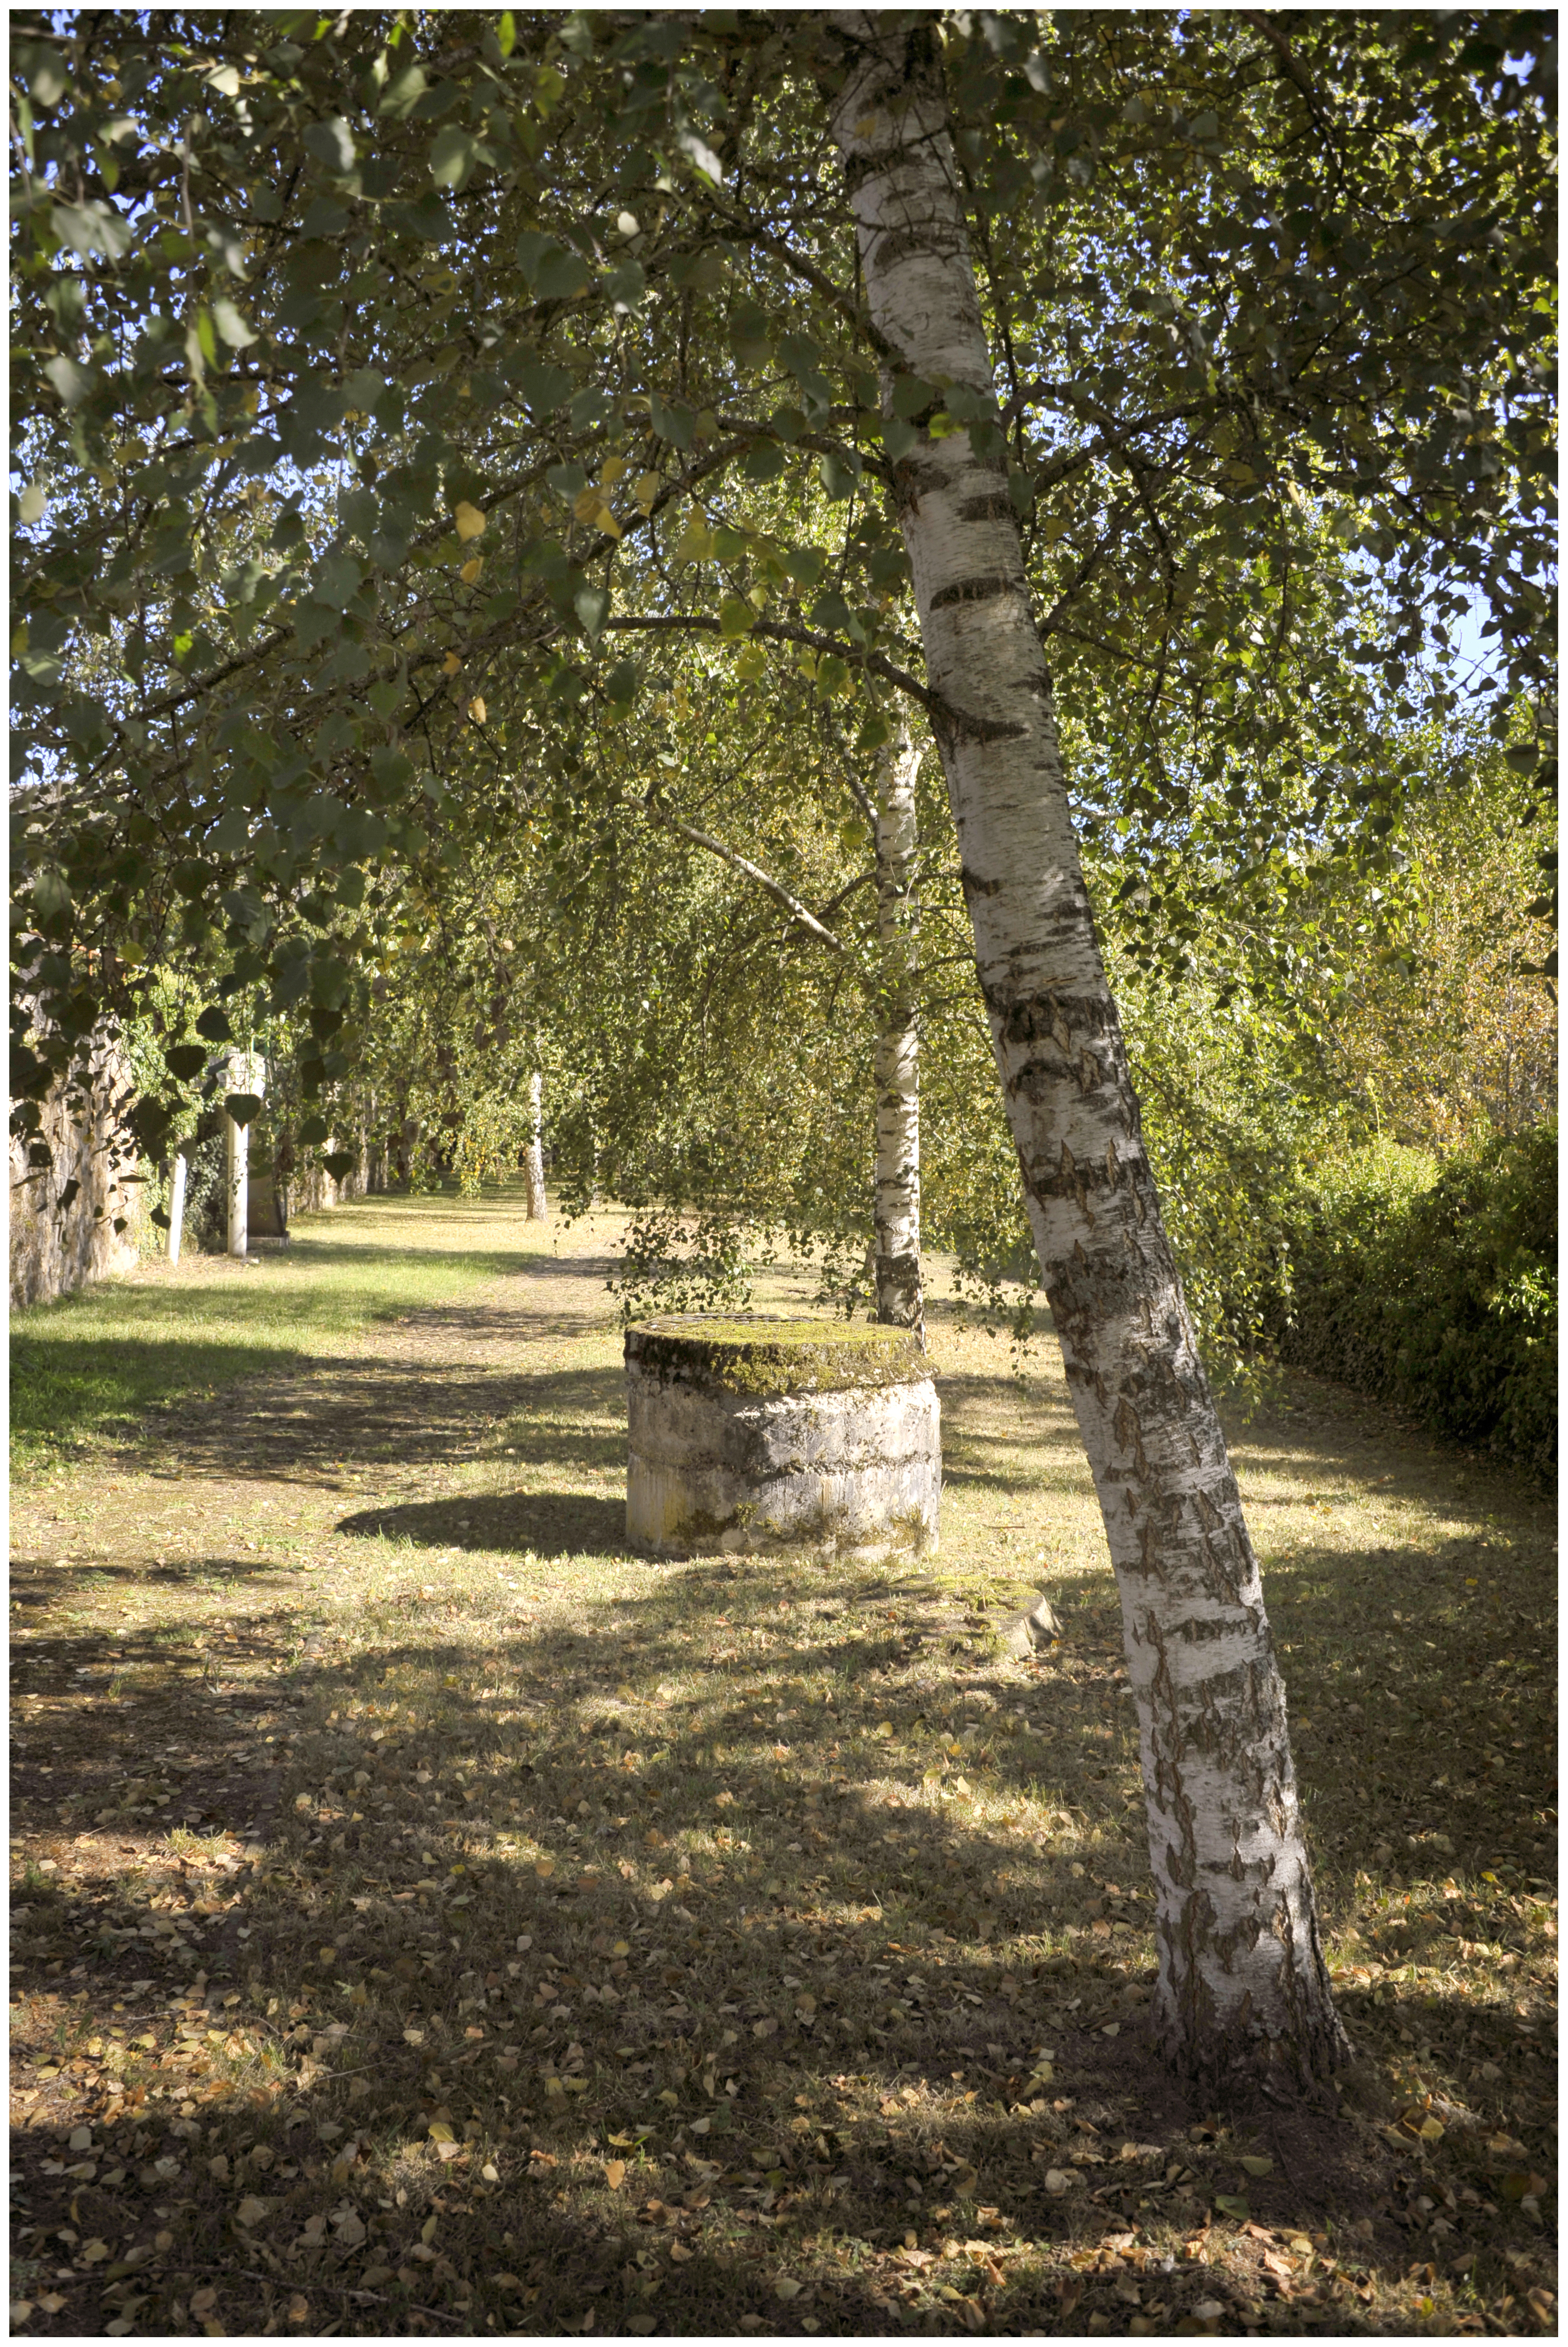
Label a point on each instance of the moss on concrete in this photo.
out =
(753, 1353)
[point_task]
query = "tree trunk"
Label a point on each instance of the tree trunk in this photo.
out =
(177, 1200)
(899, 1297)
(237, 1163)
(1242, 1981)
(534, 1156)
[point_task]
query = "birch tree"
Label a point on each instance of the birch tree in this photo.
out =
(1240, 1960)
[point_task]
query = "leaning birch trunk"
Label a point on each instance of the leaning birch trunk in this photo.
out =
(534, 1156)
(899, 1297)
(176, 1202)
(1242, 1981)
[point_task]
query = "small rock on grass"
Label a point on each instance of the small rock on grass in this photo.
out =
(1029, 1631)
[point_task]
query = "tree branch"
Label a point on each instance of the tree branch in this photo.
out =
(743, 864)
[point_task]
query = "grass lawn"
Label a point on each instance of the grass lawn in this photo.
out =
(433, 1919)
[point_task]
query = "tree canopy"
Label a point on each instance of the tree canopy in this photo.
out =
(396, 391)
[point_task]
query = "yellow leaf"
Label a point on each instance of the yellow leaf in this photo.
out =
(476, 708)
(470, 521)
(648, 489)
(615, 2174)
(613, 470)
(786, 2288)
(543, 1866)
(451, 664)
(440, 2132)
(250, 2210)
(470, 571)
(328, 1956)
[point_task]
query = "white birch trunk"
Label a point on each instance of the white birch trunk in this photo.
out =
(899, 1297)
(1241, 1974)
(237, 1171)
(177, 1203)
(534, 1157)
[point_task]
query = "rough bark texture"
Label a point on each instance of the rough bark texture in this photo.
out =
(534, 1156)
(54, 1248)
(899, 1298)
(759, 1435)
(1241, 1976)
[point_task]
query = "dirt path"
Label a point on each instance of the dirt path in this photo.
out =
(353, 1654)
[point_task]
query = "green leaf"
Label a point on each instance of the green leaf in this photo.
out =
(230, 324)
(42, 70)
(313, 1130)
(591, 605)
(214, 1024)
(554, 272)
(337, 581)
(339, 1162)
(736, 618)
(51, 894)
(243, 1107)
(675, 424)
(452, 156)
(69, 380)
(403, 93)
(702, 155)
(186, 1061)
(543, 387)
(838, 477)
(332, 144)
(1230, 2206)
(912, 396)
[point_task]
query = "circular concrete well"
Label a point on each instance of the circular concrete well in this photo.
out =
(752, 1433)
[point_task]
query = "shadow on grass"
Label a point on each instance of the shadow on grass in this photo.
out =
(302, 1421)
(700, 1919)
(547, 1523)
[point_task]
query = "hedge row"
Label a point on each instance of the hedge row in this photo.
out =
(1439, 1293)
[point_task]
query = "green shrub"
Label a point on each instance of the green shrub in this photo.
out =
(1437, 1288)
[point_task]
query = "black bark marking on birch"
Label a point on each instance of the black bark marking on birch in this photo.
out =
(994, 506)
(913, 480)
(924, 241)
(983, 589)
(973, 886)
(963, 725)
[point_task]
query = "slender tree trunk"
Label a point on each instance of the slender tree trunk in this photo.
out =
(176, 1202)
(237, 1162)
(899, 1297)
(534, 1157)
(1241, 1974)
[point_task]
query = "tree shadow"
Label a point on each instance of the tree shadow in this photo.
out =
(547, 1524)
(698, 1922)
(304, 1425)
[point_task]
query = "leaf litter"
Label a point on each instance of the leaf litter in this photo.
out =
(514, 1933)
